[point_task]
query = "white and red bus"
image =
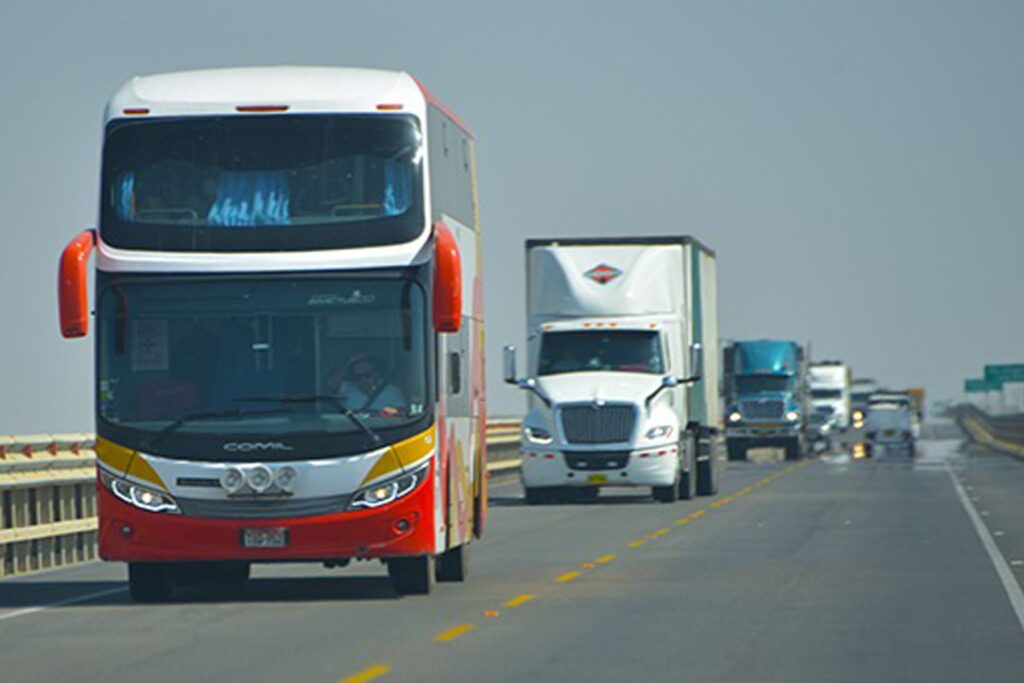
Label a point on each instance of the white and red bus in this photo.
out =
(289, 327)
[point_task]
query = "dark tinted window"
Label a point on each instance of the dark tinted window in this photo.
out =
(598, 350)
(241, 183)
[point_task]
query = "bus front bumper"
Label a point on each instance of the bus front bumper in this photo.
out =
(402, 528)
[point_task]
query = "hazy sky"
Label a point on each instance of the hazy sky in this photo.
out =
(857, 165)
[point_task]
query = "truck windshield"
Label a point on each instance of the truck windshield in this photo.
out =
(826, 393)
(252, 183)
(274, 356)
(755, 384)
(601, 350)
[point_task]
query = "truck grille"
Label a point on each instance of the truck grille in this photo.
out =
(598, 424)
(762, 410)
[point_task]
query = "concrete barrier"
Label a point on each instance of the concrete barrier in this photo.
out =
(1004, 433)
(48, 495)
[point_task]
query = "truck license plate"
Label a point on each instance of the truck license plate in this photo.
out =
(597, 479)
(273, 537)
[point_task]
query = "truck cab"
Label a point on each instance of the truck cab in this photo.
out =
(766, 407)
(890, 424)
(829, 387)
(622, 384)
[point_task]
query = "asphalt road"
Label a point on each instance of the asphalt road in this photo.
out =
(831, 570)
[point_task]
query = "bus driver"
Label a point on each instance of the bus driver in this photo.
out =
(363, 389)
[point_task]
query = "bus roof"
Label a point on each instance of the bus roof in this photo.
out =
(268, 89)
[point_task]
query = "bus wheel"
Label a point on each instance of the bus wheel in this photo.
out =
(453, 564)
(412, 575)
(149, 582)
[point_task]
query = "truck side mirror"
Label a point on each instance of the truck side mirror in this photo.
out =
(509, 364)
(447, 280)
(73, 285)
(696, 362)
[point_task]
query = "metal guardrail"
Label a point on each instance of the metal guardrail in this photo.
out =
(1004, 433)
(48, 495)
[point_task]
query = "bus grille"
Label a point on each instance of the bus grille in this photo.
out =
(762, 410)
(598, 424)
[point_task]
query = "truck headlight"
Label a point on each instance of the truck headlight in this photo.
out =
(858, 415)
(660, 432)
(142, 497)
(388, 491)
(792, 416)
(538, 434)
(735, 416)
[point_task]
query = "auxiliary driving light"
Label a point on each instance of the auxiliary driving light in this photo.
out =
(260, 478)
(285, 478)
(232, 480)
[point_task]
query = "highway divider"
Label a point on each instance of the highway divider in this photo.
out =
(1004, 433)
(48, 495)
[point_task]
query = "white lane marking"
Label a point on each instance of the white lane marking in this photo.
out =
(61, 603)
(1010, 584)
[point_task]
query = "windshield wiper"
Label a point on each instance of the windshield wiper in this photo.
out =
(318, 398)
(206, 415)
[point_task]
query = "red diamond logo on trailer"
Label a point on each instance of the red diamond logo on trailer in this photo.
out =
(603, 274)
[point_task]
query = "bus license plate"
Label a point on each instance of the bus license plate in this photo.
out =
(597, 479)
(276, 537)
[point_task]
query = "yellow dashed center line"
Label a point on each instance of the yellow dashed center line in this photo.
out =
(568, 576)
(684, 520)
(637, 543)
(454, 632)
(604, 559)
(519, 600)
(367, 674)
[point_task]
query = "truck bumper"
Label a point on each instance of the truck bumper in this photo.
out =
(777, 434)
(647, 467)
(402, 528)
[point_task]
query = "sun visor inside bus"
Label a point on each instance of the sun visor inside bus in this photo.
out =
(246, 198)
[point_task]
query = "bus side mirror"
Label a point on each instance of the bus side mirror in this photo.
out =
(73, 285)
(509, 365)
(447, 280)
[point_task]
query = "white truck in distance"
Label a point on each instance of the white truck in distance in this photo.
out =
(622, 346)
(891, 424)
(829, 384)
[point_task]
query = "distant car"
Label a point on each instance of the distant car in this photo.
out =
(890, 426)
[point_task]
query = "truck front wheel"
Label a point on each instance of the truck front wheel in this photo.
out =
(737, 449)
(794, 450)
(665, 494)
(707, 469)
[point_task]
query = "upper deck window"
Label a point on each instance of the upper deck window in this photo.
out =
(258, 183)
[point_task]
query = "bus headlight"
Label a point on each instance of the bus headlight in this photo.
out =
(142, 497)
(792, 416)
(388, 491)
(538, 435)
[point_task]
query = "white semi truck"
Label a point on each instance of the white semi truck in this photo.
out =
(622, 381)
(829, 388)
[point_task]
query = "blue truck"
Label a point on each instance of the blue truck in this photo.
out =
(765, 400)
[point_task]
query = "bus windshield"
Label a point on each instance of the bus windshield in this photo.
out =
(274, 357)
(601, 350)
(252, 183)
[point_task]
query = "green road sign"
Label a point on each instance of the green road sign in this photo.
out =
(1004, 373)
(976, 386)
